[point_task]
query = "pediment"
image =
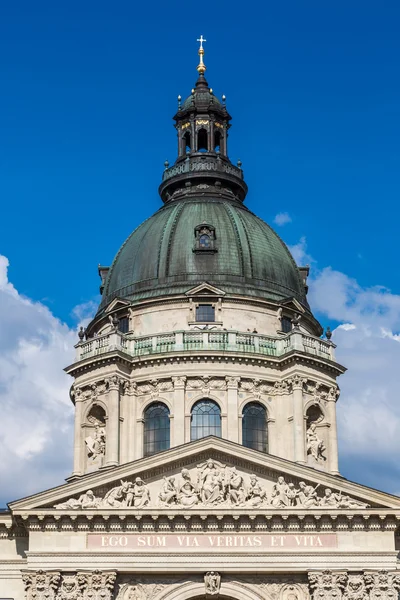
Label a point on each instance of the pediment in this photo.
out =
(209, 474)
(116, 303)
(205, 289)
(293, 303)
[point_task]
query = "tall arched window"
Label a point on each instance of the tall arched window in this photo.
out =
(217, 141)
(187, 145)
(202, 140)
(254, 427)
(156, 429)
(205, 420)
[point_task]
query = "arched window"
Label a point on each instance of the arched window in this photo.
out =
(217, 141)
(205, 241)
(205, 420)
(187, 145)
(156, 429)
(202, 140)
(254, 427)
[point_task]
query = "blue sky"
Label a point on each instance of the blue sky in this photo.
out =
(88, 94)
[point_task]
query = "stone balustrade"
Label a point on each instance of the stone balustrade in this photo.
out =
(194, 165)
(204, 341)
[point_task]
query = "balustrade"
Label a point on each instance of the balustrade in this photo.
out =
(203, 340)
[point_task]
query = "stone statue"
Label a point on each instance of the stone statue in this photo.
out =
(210, 484)
(315, 446)
(212, 581)
(307, 495)
(85, 501)
(141, 493)
(187, 494)
(235, 488)
(96, 445)
(168, 493)
(255, 494)
(279, 496)
(117, 496)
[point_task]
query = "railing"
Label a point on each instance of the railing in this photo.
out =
(193, 165)
(206, 340)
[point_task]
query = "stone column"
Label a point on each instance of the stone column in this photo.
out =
(333, 456)
(178, 422)
(112, 428)
(298, 420)
(79, 443)
(232, 408)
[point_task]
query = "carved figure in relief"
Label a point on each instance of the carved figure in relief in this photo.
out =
(141, 493)
(96, 445)
(330, 499)
(255, 494)
(307, 495)
(187, 495)
(117, 496)
(210, 484)
(85, 501)
(279, 496)
(315, 446)
(168, 493)
(212, 581)
(235, 488)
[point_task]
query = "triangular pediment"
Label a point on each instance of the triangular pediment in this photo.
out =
(205, 289)
(293, 303)
(211, 473)
(116, 303)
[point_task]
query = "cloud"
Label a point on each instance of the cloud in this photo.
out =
(282, 219)
(36, 425)
(368, 345)
(300, 254)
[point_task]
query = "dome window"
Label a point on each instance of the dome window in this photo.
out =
(123, 325)
(205, 313)
(286, 324)
(204, 239)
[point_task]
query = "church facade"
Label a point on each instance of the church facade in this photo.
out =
(205, 440)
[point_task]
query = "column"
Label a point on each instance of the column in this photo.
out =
(79, 466)
(298, 420)
(333, 440)
(112, 428)
(178, 422)
(232, 384)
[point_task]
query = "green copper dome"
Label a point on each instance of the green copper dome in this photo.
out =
(160, 257)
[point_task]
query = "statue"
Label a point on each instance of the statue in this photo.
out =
(187, 494)
(330, 499)
(96, 445)
(315, 446)
(255, 493)
(307, 495)
(210, 484)
(141, 493)
(117, 496)
(235, 488)
(168, 493)
(85, 501)
(279, 496)
(212, 581)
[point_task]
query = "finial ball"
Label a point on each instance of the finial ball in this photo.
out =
(179, 98)
(223, 97)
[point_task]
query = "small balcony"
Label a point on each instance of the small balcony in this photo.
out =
(225, 342)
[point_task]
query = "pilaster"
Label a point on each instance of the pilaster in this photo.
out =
(79, 466)
(232, 408)
(113, 424)
(178, 423)
(333, 438)
(298, 420)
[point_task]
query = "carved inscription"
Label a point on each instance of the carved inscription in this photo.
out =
(168, 542)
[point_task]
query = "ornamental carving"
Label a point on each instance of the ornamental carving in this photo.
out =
(154, 387)
(327, 585)
(213, 484)
(355, 588)
(41, 585)
(212, 583)
(315, 446)
(382, 585)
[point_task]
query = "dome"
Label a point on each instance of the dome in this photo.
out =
(160, 257)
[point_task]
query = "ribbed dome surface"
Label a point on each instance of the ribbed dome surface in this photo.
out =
(158, 259)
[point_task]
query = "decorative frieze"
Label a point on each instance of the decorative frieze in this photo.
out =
(214, 485)
(52, 585)
(327, 585)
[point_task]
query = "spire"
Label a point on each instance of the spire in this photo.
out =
(201, 67)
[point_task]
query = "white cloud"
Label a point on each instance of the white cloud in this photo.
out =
(36, 422)
(368, 345)
(300, 254)
(282, 219)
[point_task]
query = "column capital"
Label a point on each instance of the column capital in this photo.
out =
(113, 382)
(129, 388)
(323, 583)
(41, 584)
(298, 382)
(179, 382)
(333, 394)
(232, 382)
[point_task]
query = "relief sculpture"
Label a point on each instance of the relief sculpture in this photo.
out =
(214, 484)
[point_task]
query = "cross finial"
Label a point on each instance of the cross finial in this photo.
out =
(201, 40)
(201, 67)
